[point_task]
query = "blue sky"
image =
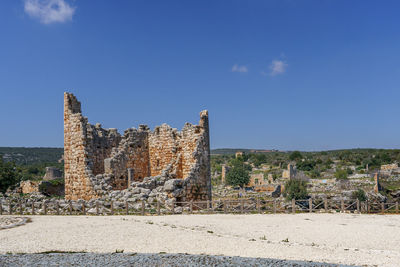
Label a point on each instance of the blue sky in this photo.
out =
(306, 75)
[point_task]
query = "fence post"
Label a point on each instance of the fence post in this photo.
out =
(208, 206)
(33, 207)
(83, 208)
(142, 207)
(45, 207)
(397, 207)
(293, 205)
(274, 206)
(367, 206)
(326, 205)
(358, 205)
(57, 208)
(70, 207)
(241, 205)
(127, 207)
(383, 207)
(173, 207)
(310, 204)
(97, 207)
(1, 207)
(342, 205)
(158, 207)
(225, 207)
(191, 206)
(10, 207)
(258, 205)
(20, 207)
(112, 207)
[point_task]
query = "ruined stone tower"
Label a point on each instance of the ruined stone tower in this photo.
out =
(99, 160)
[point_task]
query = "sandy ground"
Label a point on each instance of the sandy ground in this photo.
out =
(331, 238)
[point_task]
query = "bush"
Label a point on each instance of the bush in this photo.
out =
(238, 176)
(295, 189)
(360, 195)
(315, 174)
(306, 165)
(341, 174)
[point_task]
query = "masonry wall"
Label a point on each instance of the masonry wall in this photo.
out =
(76, 158)
(163, 148)
(90, 151)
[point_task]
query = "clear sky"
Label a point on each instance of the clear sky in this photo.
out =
(306, 75)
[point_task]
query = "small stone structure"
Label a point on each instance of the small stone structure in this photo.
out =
(52, 184)
(388, 167)
(257, 179)
(377, 186)
(162, 164)
(290, 173)
(52, 173)
(224, 172)
(238, 154)
(28, 186)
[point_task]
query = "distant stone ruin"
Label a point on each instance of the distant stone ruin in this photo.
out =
(224, 171)
(52, 173)
(162, 164)
(51, 185)
(377, 185)
(290, 173)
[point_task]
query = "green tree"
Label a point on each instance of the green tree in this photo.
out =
(307, 165)
(295, 155)
(295, 189)
(238, 176)
(8, 175)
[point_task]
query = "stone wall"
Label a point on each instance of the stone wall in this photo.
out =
(28, 187)
(389, 166)
(77, 159)
(290, 173)
(97, 160)
(52, 173)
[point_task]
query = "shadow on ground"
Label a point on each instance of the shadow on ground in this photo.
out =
(58, 258)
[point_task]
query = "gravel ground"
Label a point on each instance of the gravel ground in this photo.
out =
(350, 239)
(119, 259)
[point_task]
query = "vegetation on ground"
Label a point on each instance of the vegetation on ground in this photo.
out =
(295, 189)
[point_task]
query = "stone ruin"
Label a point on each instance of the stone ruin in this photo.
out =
(291, 172)
(52, 173)
(51, 185)
(159, 165)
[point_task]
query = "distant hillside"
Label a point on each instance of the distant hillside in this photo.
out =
(226, 151)
(31, 155)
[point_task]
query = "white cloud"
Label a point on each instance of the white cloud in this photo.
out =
(277, 67)
(49, 11)
(237, 68)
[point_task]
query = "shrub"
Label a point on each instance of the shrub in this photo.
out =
(341, 174)
(295, 189)
(360, 195)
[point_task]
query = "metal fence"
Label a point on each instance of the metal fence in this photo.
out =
(231, 206)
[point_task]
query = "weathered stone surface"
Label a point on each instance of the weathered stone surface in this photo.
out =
(52, 173)
(98, 161)
(29, 186)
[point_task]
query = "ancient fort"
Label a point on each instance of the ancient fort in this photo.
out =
(98, 161)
